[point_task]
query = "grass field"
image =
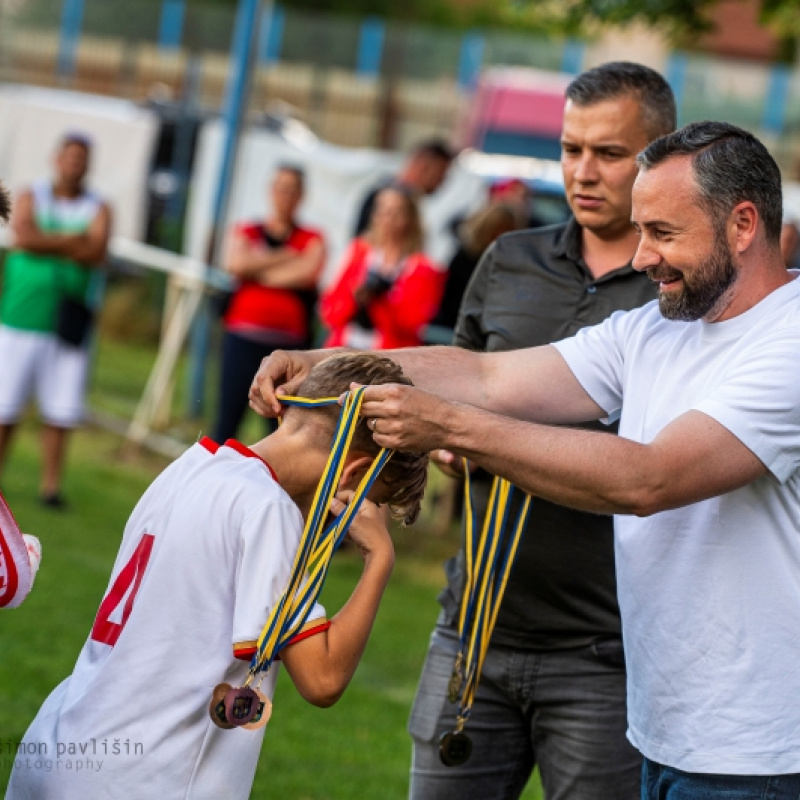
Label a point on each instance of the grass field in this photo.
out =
(357, 749)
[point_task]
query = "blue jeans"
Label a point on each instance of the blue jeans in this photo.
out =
(667, 783)
(563, 710)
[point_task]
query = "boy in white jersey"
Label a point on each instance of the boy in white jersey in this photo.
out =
(206, 554)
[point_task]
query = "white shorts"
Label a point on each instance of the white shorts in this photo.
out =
(39, 361)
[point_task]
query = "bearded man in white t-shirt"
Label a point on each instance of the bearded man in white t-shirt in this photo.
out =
(704, 478)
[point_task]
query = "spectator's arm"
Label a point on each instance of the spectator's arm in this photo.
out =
(298, 272)
(411, 303)
(338, 304)
(246, 259)
(29, 236)
(90, 248)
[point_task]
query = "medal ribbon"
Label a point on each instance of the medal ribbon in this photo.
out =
(317, 543)
(489, 558)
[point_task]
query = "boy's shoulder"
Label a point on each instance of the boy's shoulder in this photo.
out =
(207, 466)
(216, 488)
(237, 465)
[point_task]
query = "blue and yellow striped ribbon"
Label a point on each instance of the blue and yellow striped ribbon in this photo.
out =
(317, 544)
(489, 559)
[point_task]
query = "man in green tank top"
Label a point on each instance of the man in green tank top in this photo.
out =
(61, 233)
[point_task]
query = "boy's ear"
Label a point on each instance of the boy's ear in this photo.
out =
(354, 470)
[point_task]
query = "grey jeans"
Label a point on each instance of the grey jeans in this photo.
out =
(563, 710)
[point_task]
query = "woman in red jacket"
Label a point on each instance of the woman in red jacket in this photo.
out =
(387, 289)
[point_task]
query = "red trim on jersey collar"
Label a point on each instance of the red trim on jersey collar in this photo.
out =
(209, 444)
(248, 453)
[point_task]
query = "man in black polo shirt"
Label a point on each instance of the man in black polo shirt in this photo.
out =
(552, 691)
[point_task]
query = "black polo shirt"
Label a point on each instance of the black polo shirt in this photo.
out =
(532, 287)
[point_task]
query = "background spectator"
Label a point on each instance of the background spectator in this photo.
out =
(790, 242)
(61, 233)
(519, 195)
(387, 289)
(278, 263)
(474, 234)
(423, 173)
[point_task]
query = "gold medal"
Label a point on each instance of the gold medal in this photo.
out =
(262, 714)
(455, 748)
(216, 708)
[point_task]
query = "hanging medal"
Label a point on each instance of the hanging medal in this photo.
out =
(239, 707)
(262, 715)
(489, 558)
(216, 708)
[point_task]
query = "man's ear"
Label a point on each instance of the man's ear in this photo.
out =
(744, 223)
(354, 470)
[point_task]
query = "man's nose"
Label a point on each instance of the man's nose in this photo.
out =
(586, 171)
(646, 256)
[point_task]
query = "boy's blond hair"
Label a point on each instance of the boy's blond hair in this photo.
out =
(406, 473)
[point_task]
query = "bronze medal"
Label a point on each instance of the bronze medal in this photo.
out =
(216, 708)
(455, 748)
(262, 714)
(241, 705)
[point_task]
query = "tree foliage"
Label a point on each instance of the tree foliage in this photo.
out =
(449, 13)
(682, 20)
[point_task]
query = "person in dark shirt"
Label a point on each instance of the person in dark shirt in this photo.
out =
(552, 691)
(422, 174)
(474, 235)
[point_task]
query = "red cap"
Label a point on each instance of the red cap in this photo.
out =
(501, 187)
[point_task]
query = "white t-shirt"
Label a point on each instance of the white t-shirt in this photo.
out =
(206, 553)
(710, 593)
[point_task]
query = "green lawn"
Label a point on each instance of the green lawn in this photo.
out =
(357, 749)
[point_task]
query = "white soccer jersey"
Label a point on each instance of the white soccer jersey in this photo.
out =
(206, 553)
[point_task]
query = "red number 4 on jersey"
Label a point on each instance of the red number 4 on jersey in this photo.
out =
(130, 577)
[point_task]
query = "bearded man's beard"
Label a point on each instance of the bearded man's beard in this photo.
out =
(708, 284)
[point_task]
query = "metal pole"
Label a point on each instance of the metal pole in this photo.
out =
(677, 69)
(776, 101)
(245, 42)
(273, 20)
(170, 29)
(470, 60)
(71, 22)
